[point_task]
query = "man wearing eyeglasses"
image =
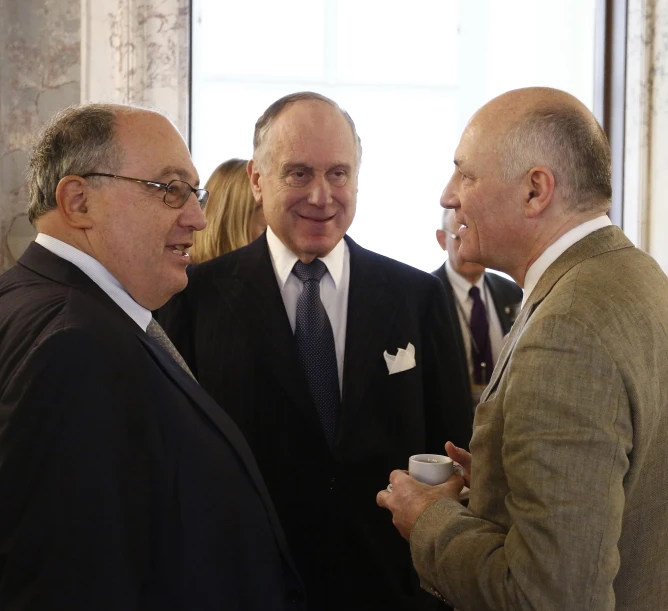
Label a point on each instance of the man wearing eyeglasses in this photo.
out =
(123, 484)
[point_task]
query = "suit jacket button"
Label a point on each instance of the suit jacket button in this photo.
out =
(295, 597)
(332, 483)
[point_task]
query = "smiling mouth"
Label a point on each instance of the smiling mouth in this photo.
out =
(316, 220)
(179, 249)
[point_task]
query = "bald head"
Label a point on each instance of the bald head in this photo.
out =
(539, 126)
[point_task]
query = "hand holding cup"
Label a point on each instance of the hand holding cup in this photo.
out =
(432, 469)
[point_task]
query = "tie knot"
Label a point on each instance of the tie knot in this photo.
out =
(314, 270)
(154, 330)
(474, 293)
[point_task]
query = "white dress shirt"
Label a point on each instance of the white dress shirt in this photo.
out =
(98, 274)
(333, 288)
(461, 287)
(554, 251)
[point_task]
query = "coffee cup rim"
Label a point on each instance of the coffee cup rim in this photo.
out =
(440, 459)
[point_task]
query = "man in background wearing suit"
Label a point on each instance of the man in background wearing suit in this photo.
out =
(123, 485)
(341, 362)
(486, 305)
(568, 499)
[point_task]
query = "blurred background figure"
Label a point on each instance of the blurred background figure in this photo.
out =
(486, 304)
(233, 217)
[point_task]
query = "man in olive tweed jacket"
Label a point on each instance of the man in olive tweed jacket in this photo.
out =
(569, 457)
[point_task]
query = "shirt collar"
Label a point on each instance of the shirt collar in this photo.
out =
(555, 250)
(98, 274)
(458, 281)
(283, 259)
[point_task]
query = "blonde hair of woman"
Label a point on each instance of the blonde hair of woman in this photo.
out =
(234, 219)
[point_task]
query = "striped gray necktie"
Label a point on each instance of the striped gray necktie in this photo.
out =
(156, 332)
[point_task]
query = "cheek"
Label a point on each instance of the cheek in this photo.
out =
(347, 197)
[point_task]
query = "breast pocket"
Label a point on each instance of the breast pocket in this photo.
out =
(488, 411)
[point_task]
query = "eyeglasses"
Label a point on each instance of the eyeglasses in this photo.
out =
(177, 192)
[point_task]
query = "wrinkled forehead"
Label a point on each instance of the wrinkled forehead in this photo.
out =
(313, 131)
(481, 141)
(150, 143)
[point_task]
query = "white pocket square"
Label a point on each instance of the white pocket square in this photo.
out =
(404, 359)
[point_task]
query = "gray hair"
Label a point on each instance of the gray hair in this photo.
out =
(78, 140)
(571, 144)
(264, 123)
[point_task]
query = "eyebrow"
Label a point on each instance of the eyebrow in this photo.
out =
(305, 166)
(295, 165)
(182, 173)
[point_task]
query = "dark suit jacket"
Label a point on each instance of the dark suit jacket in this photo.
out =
(506, 296)
(232, 328)
(123, 485)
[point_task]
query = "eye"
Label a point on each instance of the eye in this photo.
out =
(464, 177)
(298, 178)
(338, 177)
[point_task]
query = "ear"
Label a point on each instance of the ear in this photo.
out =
(255, 180)
(72, 199)
(539, 188)
(440, 238)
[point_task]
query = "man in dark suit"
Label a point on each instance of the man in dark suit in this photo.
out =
(470, 291)
(341, 362)
(123, 485)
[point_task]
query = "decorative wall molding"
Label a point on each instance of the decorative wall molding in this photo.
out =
(39, 74)
(645, 175)
(146, 60)
(55, 53)
(639, 62)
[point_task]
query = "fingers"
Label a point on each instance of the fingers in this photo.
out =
(383, 495)
(381, 498)
(458, 455)
(455, 482)
(462, 457)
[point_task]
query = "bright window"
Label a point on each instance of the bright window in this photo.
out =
(409, 73)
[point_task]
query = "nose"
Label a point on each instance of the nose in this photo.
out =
(449, 197)
(192, 214)
(320, 192)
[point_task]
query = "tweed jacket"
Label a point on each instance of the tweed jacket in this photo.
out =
(569, 486)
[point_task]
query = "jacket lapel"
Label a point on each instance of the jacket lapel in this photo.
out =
(601, 241)
(454, 311)
(371, 310)
(219, 418)
(502, 309)
(252, 295)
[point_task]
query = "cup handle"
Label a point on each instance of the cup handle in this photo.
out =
(459, 470)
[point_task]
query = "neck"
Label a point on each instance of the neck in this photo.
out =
(472, 278)
(543, 240)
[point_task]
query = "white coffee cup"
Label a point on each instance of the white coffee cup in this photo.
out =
(432, 468)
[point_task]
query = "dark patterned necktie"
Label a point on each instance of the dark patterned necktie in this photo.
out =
(156, 332)
(481, 344)
(315, 342)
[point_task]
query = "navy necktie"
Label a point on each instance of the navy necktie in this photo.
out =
(481, 345)
(315, 342)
